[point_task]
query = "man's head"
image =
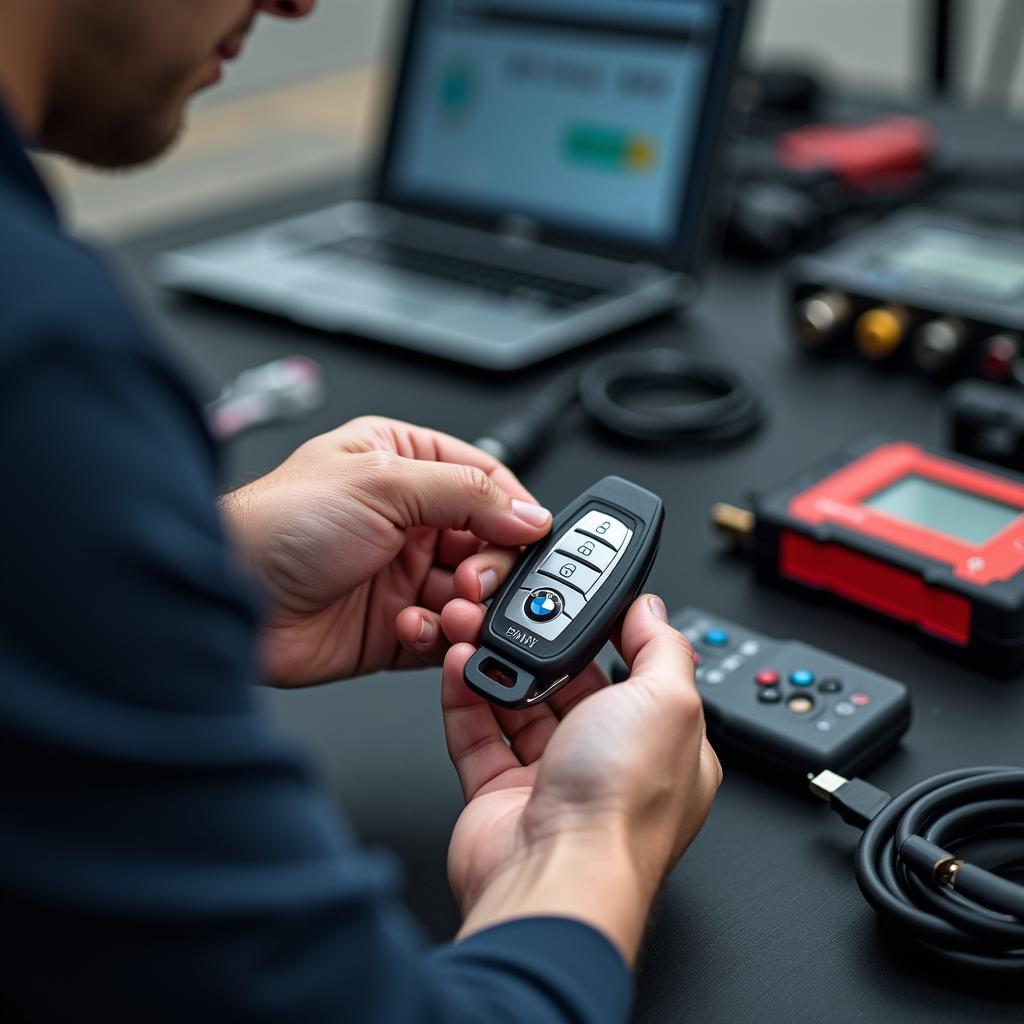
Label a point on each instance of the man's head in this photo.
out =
(122, 71)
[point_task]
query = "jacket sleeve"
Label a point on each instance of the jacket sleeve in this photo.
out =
(164, 852)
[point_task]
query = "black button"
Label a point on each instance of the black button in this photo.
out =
(543, 605)
(769, 695)
(830, 686)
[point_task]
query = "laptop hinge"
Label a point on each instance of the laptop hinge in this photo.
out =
(518, 232)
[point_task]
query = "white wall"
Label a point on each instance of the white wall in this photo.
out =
(340, 34)
(866, 44)
(877, 44)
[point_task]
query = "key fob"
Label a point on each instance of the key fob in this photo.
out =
(567, 594)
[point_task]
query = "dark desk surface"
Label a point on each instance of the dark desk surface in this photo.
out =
(762, 920)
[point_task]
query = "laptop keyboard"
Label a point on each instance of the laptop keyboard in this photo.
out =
(513, 284)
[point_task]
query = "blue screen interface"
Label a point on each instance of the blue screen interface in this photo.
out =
(582, 113)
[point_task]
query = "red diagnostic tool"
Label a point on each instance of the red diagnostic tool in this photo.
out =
(929, 539)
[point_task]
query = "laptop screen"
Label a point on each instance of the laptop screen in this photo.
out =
(586, 115)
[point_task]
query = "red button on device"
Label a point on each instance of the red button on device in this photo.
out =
(862, 700)
(766, 677)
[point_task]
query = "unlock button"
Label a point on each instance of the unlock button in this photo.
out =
(569, 571)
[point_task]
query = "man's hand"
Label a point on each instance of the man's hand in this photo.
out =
(595, 795)
(357, 537)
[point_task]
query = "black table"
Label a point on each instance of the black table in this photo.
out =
(762, 920)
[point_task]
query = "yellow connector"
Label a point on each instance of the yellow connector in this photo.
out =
(880, 331)
(734, 523)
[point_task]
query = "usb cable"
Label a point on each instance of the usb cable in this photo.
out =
(611, 391)
(967, 912)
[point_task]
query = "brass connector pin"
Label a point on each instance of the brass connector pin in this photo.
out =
(946, 870)
(734, 523)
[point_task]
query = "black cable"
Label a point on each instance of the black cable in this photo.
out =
(604, 389)
(938, 861)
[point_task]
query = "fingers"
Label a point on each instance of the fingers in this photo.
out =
(419, 631)
(475, 743)
(455, 546)
(659, 657)
(461, 621)
(445, 448)
(589, 681)
(528, 730)
(479, 576)
(370, 433)
(712, 766)
(451, 449)
(437, 590)
(411, 493)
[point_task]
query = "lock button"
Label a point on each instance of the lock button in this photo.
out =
(578, 545)
(605, 528)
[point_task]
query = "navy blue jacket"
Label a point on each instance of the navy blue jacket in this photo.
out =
(164, 852)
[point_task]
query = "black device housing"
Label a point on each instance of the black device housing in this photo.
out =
(514, 668)
(848, 266)
(996, 641)
(986, 421)
(768, 738)
(769, 735)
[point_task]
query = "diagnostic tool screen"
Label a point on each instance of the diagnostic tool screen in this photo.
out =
(956, 261)
(582, 113)
(936, 506)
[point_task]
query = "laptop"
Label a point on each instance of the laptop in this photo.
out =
(545, 181)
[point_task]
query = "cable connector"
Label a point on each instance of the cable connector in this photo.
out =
(932, 864)
(857, 802)
(734, 523)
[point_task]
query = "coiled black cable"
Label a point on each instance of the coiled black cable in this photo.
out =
(938, 862)
(732, 409)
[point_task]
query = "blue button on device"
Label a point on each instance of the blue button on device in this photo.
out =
(716, 638)
(801, 677)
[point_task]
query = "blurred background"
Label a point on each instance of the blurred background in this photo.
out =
(301, 102)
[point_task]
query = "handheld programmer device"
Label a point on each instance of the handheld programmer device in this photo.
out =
(567, 594)
(927, 538)
(786, 707)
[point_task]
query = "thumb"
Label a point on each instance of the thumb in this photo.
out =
(659, 657)
(450, 496)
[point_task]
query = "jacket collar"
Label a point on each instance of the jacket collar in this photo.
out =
(17, 170)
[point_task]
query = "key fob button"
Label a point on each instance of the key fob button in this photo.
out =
(604, 527)
(588, 549)
(569, 571)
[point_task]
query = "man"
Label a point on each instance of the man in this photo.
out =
(164, 853)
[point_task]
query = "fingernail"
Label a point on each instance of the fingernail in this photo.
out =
(657, 607)
(532, 514)
(427, 632)
(488, 583)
